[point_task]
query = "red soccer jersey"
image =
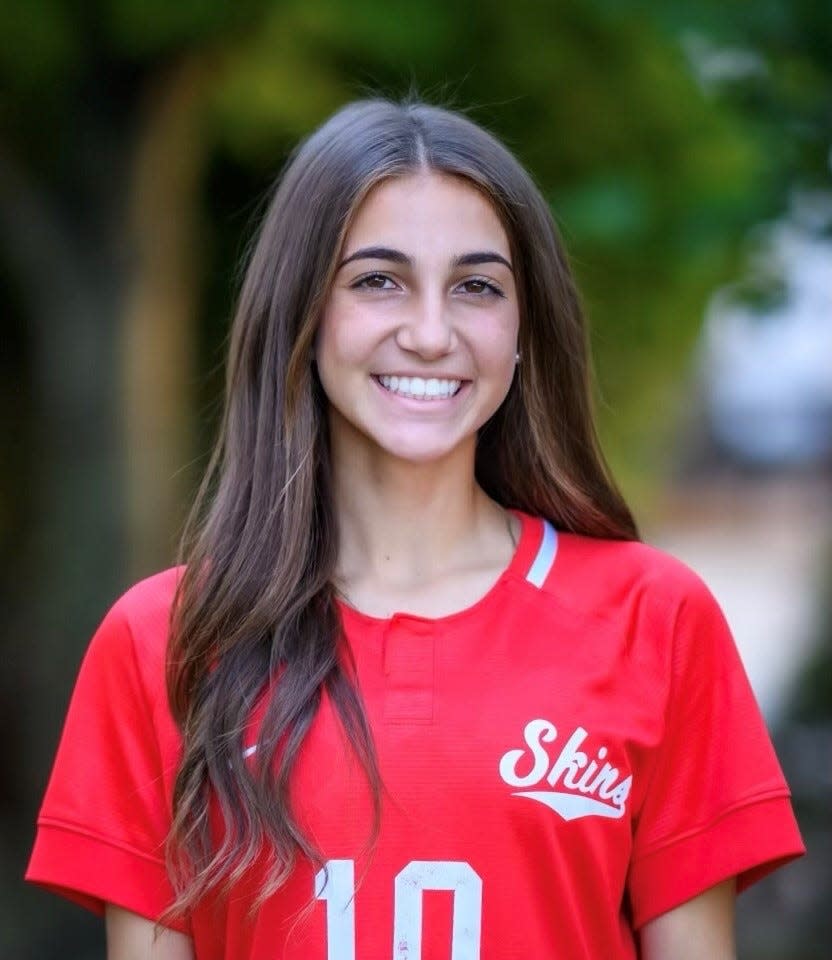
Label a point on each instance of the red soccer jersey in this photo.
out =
(574, 754)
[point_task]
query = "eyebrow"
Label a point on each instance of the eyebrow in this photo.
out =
(396, 256)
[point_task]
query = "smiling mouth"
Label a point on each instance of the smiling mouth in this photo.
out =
(420, 388)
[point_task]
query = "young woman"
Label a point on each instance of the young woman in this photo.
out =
(419, 691)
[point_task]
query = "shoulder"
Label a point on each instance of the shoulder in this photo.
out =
(656, 604)
(147, 604)
(133, 635)
(621, 579)
(616, 565)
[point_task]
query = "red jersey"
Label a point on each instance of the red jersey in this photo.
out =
(573, 755)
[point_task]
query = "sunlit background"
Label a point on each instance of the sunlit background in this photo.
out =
(685, 150)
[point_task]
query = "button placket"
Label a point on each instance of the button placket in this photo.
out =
(409, 658)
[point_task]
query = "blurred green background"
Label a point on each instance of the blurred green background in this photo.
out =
(137, 140)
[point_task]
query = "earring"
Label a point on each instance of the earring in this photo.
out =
(517, 357)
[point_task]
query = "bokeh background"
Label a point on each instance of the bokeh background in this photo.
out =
(685, 149)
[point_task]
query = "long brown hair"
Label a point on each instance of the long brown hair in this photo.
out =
(256, 602)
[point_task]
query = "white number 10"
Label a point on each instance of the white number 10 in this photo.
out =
(335, 884)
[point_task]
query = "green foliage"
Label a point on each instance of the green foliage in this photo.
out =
(39, 41)
(273, 85)
(149, 28)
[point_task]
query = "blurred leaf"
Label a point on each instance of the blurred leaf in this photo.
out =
(38, 41)
(271, 86)
(146, 28)
(610, 209)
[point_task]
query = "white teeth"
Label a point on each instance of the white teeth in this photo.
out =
(419, 388)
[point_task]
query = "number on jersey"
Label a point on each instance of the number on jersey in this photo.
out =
(335, 884)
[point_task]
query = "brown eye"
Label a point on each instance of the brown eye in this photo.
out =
(374, 281)
(478, 286)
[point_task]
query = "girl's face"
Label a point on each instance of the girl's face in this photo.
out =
(416, 347)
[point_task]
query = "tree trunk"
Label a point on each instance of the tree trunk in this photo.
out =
(159, 329)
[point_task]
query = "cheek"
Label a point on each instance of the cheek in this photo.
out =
(502, 349)
(331, 336)
(497, 345)
(326, 354)
(342, 332)
(338, 351)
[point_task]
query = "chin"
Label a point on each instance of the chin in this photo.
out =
(418, 456)
(418, 452)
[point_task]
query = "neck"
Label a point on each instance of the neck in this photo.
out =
(400, 522)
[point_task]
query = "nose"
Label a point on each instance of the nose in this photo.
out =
(427, 329)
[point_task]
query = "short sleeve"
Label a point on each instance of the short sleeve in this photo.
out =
(103, 824)
(716, 804)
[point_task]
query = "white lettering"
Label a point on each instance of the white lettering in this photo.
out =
(622, 792)
(570, 762)
(572, 770)
(607, 776)
(535, 734)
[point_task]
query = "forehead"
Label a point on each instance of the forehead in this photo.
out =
(427, 209)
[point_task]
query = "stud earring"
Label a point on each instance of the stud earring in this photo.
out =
(517, 357)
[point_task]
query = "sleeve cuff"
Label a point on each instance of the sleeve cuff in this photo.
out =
(92, 872)
(747, 843)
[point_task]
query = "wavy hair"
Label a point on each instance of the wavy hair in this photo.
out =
(255, 619)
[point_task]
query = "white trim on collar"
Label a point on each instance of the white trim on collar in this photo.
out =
(542, 563)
